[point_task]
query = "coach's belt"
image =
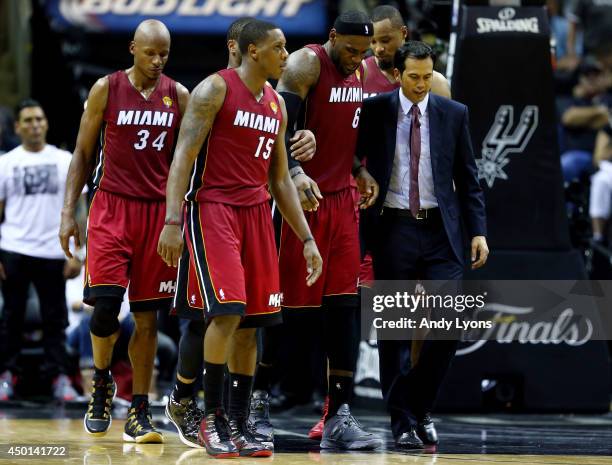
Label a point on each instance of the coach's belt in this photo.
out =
(422, 214)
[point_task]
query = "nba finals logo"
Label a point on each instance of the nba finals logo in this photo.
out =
(167, 101)
(274, 107)
(501, 141)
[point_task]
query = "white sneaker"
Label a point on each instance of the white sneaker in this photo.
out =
(6, 386)
(62, 389)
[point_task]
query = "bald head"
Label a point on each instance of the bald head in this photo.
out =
(150, 47)
(151, 30)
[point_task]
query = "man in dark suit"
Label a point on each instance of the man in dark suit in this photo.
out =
(418, 149)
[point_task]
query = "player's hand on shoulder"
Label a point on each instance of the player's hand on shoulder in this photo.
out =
(303, 145)
(170, 244)
(314, 262)
(308, 191)
(368, 188)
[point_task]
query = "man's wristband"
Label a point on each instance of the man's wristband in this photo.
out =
(296, 173)
(308, 239)
(173, 223)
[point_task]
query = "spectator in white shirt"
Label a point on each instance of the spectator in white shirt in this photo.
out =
(32, 184)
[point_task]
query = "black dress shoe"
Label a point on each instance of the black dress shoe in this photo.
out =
(426, 431)
(409, 440)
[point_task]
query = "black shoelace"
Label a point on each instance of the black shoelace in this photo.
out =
(222, 428)
(99, 397)
(143, 416)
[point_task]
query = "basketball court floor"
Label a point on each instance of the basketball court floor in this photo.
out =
(465, 440)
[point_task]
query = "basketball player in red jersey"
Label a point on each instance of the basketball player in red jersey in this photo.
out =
(135, 113)
(182, 409)
(390, 33)
(303, 144)
(329, 78)
(228, 269)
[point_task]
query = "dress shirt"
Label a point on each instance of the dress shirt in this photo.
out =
(399, 185)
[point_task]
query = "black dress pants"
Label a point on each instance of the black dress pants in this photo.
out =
(410, 249)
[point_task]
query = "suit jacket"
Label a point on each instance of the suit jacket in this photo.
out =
(456, 187)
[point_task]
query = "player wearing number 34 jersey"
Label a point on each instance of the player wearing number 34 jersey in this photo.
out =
(132, 116)
(136, 139)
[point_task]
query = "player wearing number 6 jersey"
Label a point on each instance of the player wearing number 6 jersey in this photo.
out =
(330, 78)
(135, 114)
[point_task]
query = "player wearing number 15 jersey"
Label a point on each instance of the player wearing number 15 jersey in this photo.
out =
(228, 268)
(135, 114)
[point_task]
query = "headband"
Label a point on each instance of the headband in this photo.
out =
(353, 29)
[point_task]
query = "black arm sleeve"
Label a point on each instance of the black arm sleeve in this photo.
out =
(293, 102)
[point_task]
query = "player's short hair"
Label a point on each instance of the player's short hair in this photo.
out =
(412, 49)
(253, 32)
(26, 103)
(235, 29)
(389, 12)
(353, 22)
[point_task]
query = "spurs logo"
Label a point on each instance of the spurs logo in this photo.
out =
(501, 141)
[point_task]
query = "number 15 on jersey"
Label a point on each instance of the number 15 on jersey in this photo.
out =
(268, 147)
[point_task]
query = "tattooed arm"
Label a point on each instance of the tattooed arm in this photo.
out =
(204, 104)
(301, 74)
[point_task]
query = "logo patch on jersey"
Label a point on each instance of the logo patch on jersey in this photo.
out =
(358, 74)
(167, 101)
(274, 107)
(275, 300)
(167, 286)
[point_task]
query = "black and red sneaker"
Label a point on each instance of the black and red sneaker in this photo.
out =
(214, 435)
(248, 445)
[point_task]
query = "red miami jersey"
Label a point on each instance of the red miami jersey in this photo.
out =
(332, 113)
(137, 138)
(375, 81)
(232, 167)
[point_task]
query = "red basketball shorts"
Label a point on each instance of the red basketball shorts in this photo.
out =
(334, 227)
(122, 235)
(229, 265)
(366, 269)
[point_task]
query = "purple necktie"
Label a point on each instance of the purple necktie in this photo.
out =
(415, 154)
